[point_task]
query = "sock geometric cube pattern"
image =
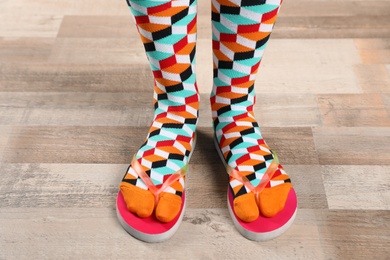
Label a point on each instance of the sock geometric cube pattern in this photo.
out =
(241, 29)
(168, 32)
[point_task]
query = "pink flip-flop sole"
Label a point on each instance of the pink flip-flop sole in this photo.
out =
(147, 229)
(264, 228)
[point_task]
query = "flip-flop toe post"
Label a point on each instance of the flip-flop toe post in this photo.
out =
(150, 229)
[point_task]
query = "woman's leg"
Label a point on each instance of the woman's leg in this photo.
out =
(168, 32)
(241, 29)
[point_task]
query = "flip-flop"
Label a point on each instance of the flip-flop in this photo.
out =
(150, 229)
(263, 228)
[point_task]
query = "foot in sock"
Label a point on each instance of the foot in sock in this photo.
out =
(241, 29)
(168, 31)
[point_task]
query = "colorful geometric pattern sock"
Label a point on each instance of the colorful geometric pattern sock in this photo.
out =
(155, 179)
(241, 29)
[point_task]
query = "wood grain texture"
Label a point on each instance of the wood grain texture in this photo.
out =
(212, 236)
(352, 146)
(357, 187)
(302, 110)
(308, 66)
(386, 100)
(373, 78)
(353, 110)
(374, 51)
(76, 103)
(77, 26)
(69, 78)
(27, 49)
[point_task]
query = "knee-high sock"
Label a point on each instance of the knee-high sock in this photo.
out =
(168, 32)
(241, 29)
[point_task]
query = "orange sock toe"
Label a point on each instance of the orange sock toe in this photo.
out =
(246, 208)
(138, 201)
(272, 200)
(168, 207)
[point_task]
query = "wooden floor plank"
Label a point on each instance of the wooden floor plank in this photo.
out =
(71, 78)
(77, 26)
(302, 110)
(71, 7)
(365, 187)
(308, 66)
(73, 108)
(386, 100)
(30, 25)
(27, 49)
(374, 51)
(342, 230)
(352, 146)
(373, 78)
(353, 110)
(320, 8)
(84, 51)
(362, 26)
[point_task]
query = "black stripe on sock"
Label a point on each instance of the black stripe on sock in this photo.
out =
(192, 55)
(180, 15)
(251, 88)
(251, 176)
(239, 100)
(252, 2)
(225, 64)
(186, 74)
(159, 164)
(247, 131)
(229, 9)
(131, 181)
(215, 123)
(150, 46)
(174, 156)
(162, 96)
(216, 17)
(161, 34)
(172, 125)
(268, 157)
(259, 166)
(191, 121)
(215, 73)
(244, 55)
(228, 156)
(262, 41)
(153, 133)
(236, 142)
(242, 191)
(223, 110)
(174, 88)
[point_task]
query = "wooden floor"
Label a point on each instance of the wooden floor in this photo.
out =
(76, 102)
